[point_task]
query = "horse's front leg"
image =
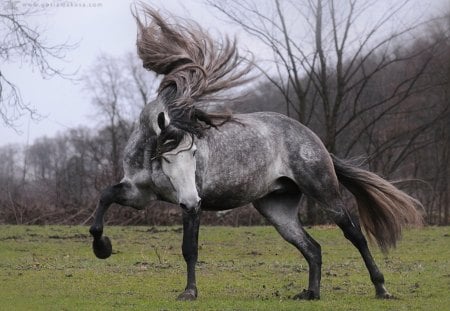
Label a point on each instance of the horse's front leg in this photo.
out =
(102, 245)
(191, 223)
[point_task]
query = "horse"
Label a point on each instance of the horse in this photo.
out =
(181, 152)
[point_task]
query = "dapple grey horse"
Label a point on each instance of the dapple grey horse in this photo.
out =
(202, 161)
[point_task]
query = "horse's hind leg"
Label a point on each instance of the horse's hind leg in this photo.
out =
(351, 228)
(323, 186)
(281, 210)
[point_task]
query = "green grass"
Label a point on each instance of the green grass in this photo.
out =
(247, 268)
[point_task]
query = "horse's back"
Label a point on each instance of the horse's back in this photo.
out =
(247, 157)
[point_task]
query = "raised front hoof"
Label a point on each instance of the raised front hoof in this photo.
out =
(188, 295)
(385, 295)
(306, 295)
(102, 247)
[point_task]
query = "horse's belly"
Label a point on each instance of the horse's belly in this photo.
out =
(224, 196)
(221, 203)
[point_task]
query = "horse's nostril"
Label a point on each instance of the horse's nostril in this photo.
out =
(183, 206)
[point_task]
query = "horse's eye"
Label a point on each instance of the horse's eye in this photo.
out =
(167, 141)
(193, 153)
(165, 159)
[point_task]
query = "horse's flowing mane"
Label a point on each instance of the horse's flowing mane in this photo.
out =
(196, 68)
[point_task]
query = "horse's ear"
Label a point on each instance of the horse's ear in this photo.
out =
(204, 117)
(161, 121)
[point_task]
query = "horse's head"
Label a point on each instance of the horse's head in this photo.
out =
(176, 149)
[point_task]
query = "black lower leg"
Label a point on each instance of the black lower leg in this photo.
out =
(313, 255)
(191, 224)
(102, 245)
(352, 231)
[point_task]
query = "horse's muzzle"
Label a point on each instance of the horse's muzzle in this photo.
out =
(191, 208)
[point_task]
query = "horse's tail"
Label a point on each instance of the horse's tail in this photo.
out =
(383, 209)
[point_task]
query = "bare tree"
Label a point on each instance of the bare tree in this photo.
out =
(433, 161)
(326, 55)
(142, 84)
(119, 88)
(21, 42)
(106, 83)
(10, 209)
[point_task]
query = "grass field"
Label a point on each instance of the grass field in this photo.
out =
(247, 268)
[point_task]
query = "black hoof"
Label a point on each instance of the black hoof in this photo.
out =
(102, 247)
(306, 295)
(386, 295)
(188, 295)
(382, 293)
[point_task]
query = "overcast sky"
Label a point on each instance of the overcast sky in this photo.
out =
(102, 26)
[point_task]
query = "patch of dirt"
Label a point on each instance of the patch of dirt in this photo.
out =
(144, 265)
(254, 253)
(76, 236)
(11, 237)
(156, 230)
